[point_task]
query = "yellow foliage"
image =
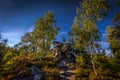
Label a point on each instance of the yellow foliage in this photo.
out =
(51, 73)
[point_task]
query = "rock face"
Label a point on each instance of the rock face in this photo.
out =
(67, 70)
(56, 51)
(66, 56)
(36, 72)
(63, 51)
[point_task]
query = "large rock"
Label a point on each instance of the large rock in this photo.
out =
(62, 50)
(37, 73)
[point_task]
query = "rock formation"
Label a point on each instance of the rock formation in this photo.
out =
(36, 72)
(63, 51)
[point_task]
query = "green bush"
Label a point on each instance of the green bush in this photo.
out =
(51, 73)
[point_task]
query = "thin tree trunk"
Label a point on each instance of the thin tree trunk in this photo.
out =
(91, 54)
(43, 46)
(34, 51)
(40, 55)
(94, 67)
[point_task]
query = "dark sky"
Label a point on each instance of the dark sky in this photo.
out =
(19, 16)
(19, 12)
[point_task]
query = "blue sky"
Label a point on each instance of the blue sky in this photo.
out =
(19, 16)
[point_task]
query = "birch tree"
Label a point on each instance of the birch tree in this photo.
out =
(84, 29)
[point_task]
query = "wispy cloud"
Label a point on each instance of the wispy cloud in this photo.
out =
(105, 45)
(31, 28)
(108, 51)
(104, 35)
(61, 35)
(13, 37)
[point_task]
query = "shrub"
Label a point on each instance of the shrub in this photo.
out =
(51, 73)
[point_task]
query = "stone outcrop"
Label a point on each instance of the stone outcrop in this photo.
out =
(67, 70)
(36, 72)
(63, 50)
